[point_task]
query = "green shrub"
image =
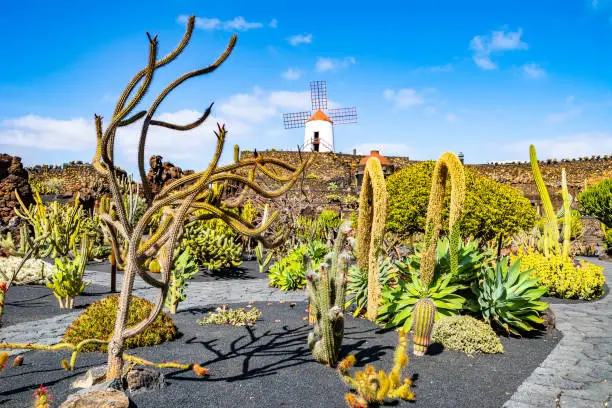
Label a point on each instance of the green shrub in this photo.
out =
(233, 317)
(329, 219)
(464, 333)
(490, 208)
(98, 322)
(562, 277)
(289, 272)
(509, 297)
(596, 201)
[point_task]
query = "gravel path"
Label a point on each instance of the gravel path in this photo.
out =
(578, 373)
(199, 293)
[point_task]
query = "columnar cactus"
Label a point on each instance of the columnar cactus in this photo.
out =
(551, 230)
(371, 229)
(567, 215)
(424, 315)
(425, 309)
(326, 289)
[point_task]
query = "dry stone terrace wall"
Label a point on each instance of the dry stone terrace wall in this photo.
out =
(340, 168)
(76, 177)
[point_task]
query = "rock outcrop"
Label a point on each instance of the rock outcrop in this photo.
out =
(13, 177)
(160, 173)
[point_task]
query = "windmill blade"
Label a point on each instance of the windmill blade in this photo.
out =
(318, 95)
(343, 116)
(296, 119)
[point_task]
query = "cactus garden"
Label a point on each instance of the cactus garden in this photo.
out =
(301, 278)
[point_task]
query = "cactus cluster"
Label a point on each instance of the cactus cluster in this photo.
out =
(425, 310)
(327, 289)
(371, 229)
(66, 282)
(211, 248)
(550, 235)
(373, 388)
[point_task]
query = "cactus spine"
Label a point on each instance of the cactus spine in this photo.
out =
(551, 231)
(327, 290)
(567, 216)
(424, 315)
(425, 309)
(371, 229)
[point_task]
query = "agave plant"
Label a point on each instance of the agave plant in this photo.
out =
(398, 303)
(509, 298)
(357, 284)
(471, 259)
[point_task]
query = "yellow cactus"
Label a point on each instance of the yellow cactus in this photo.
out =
(371, 229)
(447, 164)
(373, 388)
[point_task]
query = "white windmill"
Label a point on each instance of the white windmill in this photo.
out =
(319, 123)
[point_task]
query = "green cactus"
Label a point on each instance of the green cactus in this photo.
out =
(67, 279)
(236, 153)
(423, 321)
(551, 230)
(425, 310)
(211, 246)
(567, 215)
(183, 269)
(371, 229)
(327, 289)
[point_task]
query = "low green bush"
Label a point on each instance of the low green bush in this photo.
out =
(289, 272)
(596, 201)
(464, 333)
(98, 322)
(490, 208)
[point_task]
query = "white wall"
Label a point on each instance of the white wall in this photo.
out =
(326, 135)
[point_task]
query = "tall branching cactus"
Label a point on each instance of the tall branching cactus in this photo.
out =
(424, 310)
(371, 229)
(567, 216)
(327, 289)
(551, 230)
(179, 199)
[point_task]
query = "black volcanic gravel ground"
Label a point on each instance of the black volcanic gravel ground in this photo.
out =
(269, 365)
(35, 302)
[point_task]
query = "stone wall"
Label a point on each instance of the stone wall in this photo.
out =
(340, 168)
(13, 177)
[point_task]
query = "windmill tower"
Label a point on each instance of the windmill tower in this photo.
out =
(319, 123)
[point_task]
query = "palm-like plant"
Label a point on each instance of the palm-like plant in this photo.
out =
(398, 303)
(357, 284)
(509, 298)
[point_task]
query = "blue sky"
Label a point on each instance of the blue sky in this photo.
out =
(482, 77)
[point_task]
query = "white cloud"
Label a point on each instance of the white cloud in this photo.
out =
(236, 24)
(330, 64)
(534, 70)
(569, 146)
(404, 98)
(298, 39)
(561, 117)
(451, 117)
(273, 23)
(483, 46)
(48, 133)
(292, 74)
(385, 149)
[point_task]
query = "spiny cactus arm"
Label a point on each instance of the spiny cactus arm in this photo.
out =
(160, 98)
(188, 126)
(258, 162)
(551, 233)
(157, 235)
(273, 175)
(371, 220)
(202, 180)
(121, 112)
(165, 263)
(132, 119)
(240, 200)
(97, 163)
(236, 153)
(113, 225)
(197, 369)
(567, 216)
(236, 222)
(447, 164)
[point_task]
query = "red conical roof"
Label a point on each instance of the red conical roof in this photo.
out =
(319, 115)
(375, 153)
